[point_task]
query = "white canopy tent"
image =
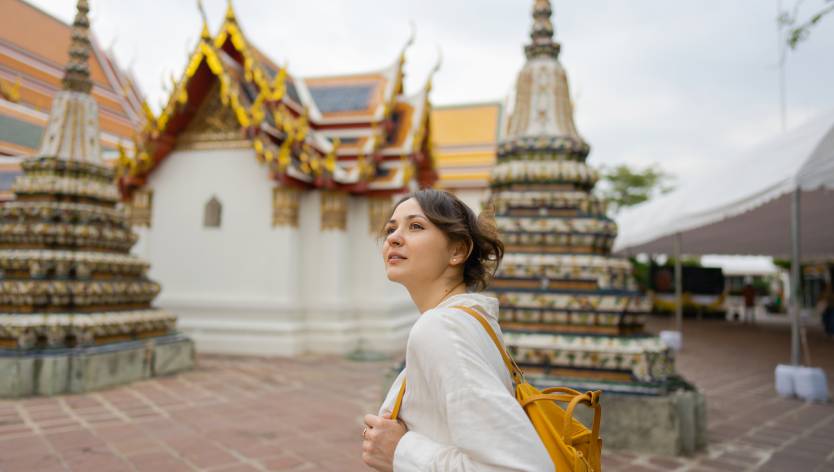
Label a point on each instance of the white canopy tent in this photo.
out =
(777, 200)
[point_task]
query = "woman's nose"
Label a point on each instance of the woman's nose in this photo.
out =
(394, 239)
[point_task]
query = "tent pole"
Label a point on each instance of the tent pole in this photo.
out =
(678, 286)
(795, 277)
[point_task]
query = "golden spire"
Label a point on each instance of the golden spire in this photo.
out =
(412, 35)
(230, 12)
(542, 33)
(434, 69)
(204, 34)
(77, 70)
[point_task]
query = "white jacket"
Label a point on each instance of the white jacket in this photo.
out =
(459, 405)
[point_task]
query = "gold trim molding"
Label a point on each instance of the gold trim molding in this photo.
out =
(379, 208)
(334, 206)
(140, 208)
(285, 206)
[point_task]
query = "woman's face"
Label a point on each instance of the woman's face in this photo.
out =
(414, 250)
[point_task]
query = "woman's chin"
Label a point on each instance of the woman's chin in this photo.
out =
(394, 274)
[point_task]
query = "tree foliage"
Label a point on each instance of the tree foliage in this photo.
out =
(624, 186)
(799, 31)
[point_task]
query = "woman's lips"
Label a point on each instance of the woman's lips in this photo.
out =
(396, 259)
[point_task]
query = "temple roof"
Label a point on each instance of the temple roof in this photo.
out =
(296, 125)
(465, 138)
(354, 97)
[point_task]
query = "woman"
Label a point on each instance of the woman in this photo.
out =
(458, 413)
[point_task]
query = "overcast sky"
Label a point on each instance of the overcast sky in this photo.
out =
(684, 84)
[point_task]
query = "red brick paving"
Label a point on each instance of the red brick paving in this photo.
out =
(235, 414)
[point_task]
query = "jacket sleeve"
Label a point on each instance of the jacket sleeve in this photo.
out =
(488, 429)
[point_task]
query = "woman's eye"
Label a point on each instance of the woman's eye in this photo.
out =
(416, 226)
(389, 230)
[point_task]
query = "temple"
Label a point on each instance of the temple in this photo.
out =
(571, 312)
(75, 306)
(259, 194)
(33, 47)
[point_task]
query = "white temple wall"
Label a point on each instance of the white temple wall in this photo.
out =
(247, 287)
(325, 291)
(233, 287)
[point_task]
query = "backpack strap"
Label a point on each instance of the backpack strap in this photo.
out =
(515, 372)
(398, 403)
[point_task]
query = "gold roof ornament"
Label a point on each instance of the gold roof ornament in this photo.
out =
(11, 92)
(279, 84)
(437, 65)
(205, 34)
(230, 12)
(284, 152)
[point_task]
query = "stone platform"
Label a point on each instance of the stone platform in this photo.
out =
(668, 425)
(79, 370)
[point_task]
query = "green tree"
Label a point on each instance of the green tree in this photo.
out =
(624, 186)
(799, 31)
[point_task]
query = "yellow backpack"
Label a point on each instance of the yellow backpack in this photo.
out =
(571, 445)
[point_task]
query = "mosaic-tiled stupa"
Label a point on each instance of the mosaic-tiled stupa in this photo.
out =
(75, 306)
(571, 312)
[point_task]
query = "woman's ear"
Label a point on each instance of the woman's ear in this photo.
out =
(460, 252)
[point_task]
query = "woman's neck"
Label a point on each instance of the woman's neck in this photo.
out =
(428, 297)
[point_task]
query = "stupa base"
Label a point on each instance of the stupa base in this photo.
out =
(674, 424)
(61, 371)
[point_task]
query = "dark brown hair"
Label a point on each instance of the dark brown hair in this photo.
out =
(459, 223)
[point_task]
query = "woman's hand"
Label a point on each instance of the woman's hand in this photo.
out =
(380, 441)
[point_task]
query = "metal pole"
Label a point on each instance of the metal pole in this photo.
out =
(678, 286)
(783, 52)
(795, 277)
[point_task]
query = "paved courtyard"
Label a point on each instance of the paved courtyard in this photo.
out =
(259, 414)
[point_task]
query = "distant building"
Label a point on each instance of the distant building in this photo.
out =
(33, 50)
(465, 139)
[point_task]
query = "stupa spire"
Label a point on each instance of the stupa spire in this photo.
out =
(77, 70)
(72, 132)
(541, 35)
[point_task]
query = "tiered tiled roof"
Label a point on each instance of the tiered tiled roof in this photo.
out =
(358, 133)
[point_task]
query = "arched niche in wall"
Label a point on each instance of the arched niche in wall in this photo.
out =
(212, 213)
